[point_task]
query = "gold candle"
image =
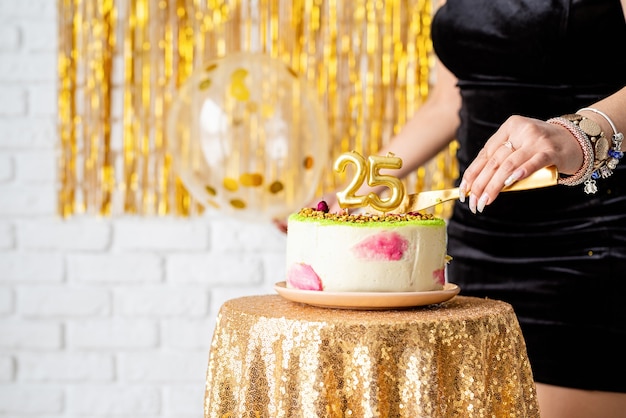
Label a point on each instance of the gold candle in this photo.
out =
(368, 171)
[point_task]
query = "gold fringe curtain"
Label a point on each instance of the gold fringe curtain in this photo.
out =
(85, 65)
(121, 61)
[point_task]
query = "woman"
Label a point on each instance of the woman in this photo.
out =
(510, 69)
(558, 255)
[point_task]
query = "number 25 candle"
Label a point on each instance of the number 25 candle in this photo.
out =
(368, 171)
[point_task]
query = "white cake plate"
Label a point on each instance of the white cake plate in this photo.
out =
(367, 300)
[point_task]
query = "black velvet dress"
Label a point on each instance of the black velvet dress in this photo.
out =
(557, 255)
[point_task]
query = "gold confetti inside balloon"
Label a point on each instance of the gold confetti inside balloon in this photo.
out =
(248, 137)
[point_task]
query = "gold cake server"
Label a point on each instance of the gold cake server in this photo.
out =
(416, 202)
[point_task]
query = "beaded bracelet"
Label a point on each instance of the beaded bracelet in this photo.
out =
(606, 155)
(584, 172)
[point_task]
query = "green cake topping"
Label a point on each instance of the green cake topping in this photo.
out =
(310, 214)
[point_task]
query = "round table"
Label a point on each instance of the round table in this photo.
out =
(271, 357)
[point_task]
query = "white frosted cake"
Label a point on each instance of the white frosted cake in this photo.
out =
(365, 253)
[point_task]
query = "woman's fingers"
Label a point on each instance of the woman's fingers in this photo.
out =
(519, 148)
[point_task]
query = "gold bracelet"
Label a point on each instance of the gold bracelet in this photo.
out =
(606, 154)
(605, 116)
(616, 150)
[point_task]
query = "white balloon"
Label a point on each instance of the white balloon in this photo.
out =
(248, 137)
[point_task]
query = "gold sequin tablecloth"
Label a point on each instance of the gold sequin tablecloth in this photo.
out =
(274, 358)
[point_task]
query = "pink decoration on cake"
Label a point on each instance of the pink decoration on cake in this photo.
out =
(386, 246)
(302, 276)
(322, 206)
(440, 276)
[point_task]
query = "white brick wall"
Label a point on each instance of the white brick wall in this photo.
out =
(101, 317)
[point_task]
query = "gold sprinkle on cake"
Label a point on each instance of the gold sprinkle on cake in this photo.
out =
(366, 217)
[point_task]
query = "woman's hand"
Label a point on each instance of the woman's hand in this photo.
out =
(519, 148)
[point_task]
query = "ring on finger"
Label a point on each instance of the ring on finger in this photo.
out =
(509, 145)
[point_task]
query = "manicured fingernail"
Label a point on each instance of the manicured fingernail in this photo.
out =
(482, 202)
(472, 203)
(462, 191)
(513, 177)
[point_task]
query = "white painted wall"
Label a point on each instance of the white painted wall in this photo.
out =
(101, 317)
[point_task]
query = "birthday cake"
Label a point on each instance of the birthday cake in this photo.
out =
(365, 252)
